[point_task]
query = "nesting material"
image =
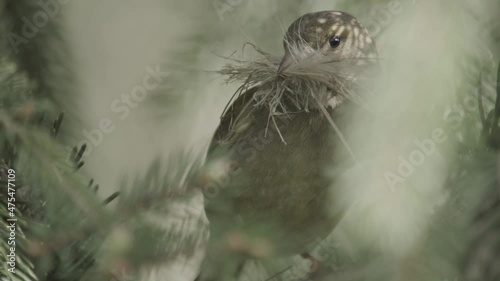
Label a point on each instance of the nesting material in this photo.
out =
(304, 81)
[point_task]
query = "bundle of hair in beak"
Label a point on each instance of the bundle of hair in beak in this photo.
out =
(312, 77)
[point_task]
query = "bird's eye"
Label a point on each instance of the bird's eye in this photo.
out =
(334, 41)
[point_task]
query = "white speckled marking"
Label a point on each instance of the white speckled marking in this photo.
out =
(335, 101)
(321, 20)
(356, 32)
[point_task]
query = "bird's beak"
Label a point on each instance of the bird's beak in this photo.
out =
(287, 60)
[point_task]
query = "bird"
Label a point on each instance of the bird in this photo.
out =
(276, 141)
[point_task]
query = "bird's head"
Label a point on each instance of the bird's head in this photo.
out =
(327, 36)
(329, 55)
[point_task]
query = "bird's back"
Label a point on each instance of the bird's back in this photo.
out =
(280, 182)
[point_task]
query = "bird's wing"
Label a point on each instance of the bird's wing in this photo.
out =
(234, 120)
